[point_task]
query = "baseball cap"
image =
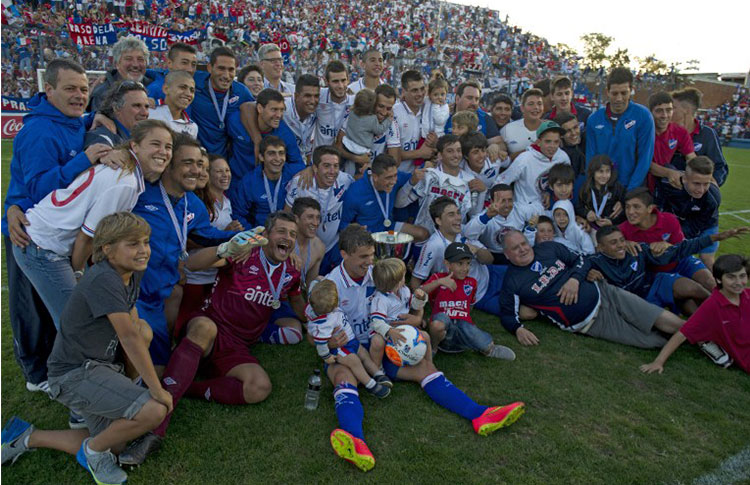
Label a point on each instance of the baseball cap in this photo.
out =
(455, 252)
(548, 125)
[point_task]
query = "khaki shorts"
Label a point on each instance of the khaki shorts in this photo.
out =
(100, 393)
(626, 318)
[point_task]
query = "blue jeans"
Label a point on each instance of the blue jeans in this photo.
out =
(461, 335)
(51, 275)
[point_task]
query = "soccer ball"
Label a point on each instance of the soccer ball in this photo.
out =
(409, 352)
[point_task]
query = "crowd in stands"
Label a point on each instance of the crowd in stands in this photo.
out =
(731, 119)
(159, 225)
(426, 35)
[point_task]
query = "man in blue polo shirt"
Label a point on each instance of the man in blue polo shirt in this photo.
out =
(180, 57)
(263, 190)
(622, 129)
(217, 96)
(468, 94)
(270, 113)
(369, 201)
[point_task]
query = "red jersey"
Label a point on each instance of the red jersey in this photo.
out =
(241, 298)
(674, 139)
(457, 303)
(723, 322)
(666, 228)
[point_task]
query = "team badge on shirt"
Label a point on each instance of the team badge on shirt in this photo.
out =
(467, 289)
(537, 266)
(190, 216)
(672, 143)
(666, 236)
(629, 124)
(697, 146)
(634, 265)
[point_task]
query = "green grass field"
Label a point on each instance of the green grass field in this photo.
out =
(592, 417)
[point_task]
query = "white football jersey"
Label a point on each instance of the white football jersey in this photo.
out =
(529, 173)
(410, 130)
(331, 203)
(184, 125)
(359, 85)
(517, 136)
(354, 300)
(435, 184)
(431, 261)
(491, 231)
(330, 117)
(303, 130)
(94, 194)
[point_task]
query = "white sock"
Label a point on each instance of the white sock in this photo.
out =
(379, 373)
(92, 452)
(26, 441)
(371, 384)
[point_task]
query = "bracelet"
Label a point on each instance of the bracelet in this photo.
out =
(78, 274)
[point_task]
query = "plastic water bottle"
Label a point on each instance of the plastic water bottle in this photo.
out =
(312, 396)
(474, 198)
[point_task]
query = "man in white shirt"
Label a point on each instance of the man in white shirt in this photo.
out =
(372, 60)
(272, 64)
(179, 91)
(334, 104)
(327, 187)
(300, 114)
(407, 113)
(447, 220)
(520, 134)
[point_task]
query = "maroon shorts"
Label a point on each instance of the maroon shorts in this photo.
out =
(228, 351)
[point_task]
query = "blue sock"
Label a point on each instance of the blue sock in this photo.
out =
(349, 409)
(443, 392)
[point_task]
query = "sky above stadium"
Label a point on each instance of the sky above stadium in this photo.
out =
(716, 34)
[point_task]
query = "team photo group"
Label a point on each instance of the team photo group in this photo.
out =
(162, 221)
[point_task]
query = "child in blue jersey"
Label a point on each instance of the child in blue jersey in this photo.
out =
(391, 300)
(325, 320)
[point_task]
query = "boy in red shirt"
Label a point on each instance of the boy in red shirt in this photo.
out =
(724, 318)
(453, 294)
(660, 230)
(670, 138)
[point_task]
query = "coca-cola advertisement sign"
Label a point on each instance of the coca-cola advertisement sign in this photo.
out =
(11, 125)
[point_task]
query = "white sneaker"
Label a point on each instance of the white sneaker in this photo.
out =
(41, 387)
(718, 355)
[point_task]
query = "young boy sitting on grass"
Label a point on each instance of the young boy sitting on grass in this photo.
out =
(724, 318)
(325, 319)
(84, 373)
(453, 294)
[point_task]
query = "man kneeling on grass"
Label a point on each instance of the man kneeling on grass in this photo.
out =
(83, 372)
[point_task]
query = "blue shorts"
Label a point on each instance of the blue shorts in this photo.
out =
(161, 344)
(715, 246)
(687, 267)
(351, 347)
(661, 293)
(284, 311)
